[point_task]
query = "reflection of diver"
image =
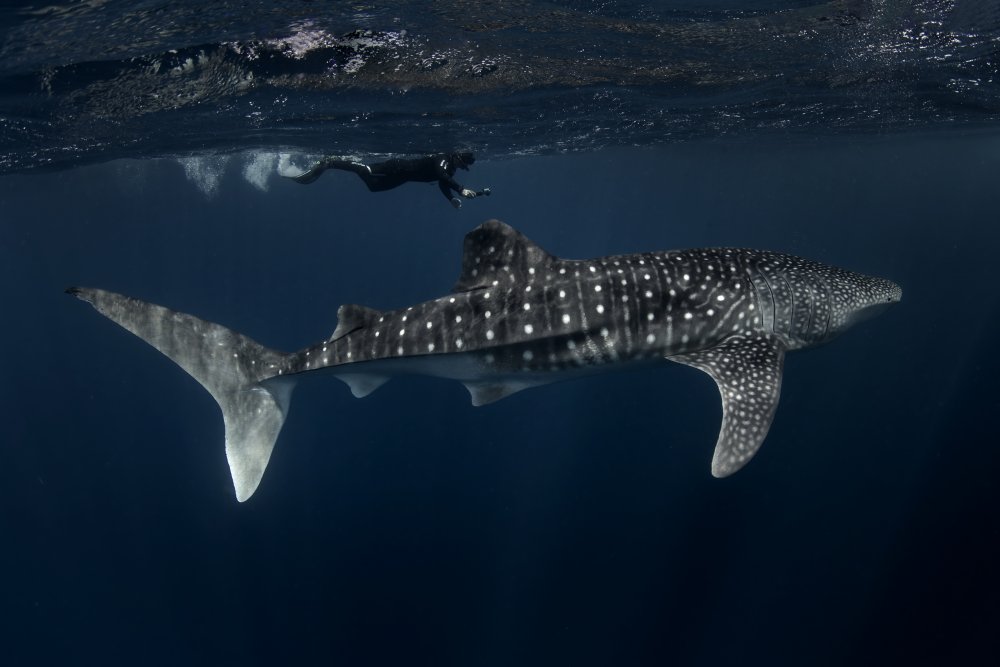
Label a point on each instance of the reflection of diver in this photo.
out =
(393, 173)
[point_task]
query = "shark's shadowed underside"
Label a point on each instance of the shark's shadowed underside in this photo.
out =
(519, 317)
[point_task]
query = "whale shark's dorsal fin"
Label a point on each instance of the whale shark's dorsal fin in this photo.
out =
(747, 370)
(351, 317)
(494, 251)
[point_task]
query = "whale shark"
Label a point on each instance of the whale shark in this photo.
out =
(520, 317)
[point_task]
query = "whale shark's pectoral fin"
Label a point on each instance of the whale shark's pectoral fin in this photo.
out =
(747, 370)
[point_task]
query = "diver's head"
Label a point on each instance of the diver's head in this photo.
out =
(463, 159)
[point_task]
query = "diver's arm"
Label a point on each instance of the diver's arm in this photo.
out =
(447, 181)
(445, 189)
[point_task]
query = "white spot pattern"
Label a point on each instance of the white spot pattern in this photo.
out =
(693, 304)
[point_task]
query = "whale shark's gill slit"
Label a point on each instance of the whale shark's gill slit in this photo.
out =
(772, 305)
(791, 303)
(827, 293)
(757, 298)
(810, 293)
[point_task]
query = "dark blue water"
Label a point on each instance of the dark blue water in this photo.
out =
(576, 523)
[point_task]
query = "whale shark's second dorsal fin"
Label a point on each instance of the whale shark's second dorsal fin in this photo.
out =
(494, 251)
(351, 317)
(747, 369)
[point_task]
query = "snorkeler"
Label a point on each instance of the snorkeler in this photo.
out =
(393, 173)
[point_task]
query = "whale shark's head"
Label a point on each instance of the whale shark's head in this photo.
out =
(857, 297)
(813, 303)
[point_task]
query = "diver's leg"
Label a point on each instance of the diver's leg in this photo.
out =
(359, 168)
(381, 182)
(376, 179)
(307, 177)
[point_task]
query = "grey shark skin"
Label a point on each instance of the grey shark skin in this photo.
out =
(519, 317)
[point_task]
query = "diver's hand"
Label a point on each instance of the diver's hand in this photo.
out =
(468, 194)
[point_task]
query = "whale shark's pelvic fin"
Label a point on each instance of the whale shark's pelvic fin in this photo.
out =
(232, 367)
(747, 370)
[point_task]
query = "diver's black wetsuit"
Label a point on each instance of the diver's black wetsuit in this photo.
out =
(393, 173)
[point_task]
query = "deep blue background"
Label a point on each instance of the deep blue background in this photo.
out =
(572, 524)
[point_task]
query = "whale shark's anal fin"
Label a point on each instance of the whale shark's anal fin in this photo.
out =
(747, 369)
(484, 393)
(239, 373)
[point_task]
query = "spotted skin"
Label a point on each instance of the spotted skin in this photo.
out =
(536, 313)
(519, 317)
(747, 368)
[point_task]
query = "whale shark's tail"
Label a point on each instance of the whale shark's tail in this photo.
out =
(242, 375)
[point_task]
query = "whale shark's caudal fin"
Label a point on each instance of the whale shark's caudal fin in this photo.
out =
(232, 367)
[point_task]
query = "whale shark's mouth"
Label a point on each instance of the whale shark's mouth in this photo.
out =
(895, 293)
(875, 309)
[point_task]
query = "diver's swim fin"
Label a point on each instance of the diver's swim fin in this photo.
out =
(307, 177)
